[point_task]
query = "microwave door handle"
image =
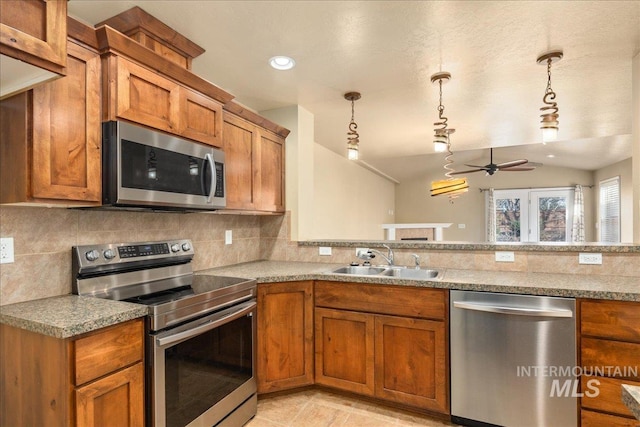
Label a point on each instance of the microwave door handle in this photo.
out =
(212, 169)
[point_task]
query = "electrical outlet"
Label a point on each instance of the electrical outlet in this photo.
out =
(590, 258)
(228, 237)
(324, 250)
(505, 256)
(6, 250)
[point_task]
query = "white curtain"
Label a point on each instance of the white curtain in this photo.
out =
(577, 234)
(491, 217)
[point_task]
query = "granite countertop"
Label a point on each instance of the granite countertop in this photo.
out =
(68, 315)
(631, 398)
(564, 285)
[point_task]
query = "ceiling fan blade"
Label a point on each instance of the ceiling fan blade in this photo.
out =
(469, 171)
(512, 163)
(516, 169)
(477, 166)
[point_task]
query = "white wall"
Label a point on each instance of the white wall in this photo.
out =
(635, 133)
(623, 170)
(415, 204)
(350, 202)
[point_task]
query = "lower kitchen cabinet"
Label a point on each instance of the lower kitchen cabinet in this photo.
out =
(610, 337)
(388, 342)
(96, 379)
(285, 335)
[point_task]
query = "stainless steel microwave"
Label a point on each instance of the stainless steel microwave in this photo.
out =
(144, 168)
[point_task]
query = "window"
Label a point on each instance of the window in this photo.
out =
(535, 215)
(610, 210)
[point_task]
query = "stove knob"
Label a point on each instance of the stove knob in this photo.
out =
(175, 247)
(109, 254)
(186, 247)
(92, 255)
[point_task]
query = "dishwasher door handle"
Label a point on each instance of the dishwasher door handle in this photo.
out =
(518, 311)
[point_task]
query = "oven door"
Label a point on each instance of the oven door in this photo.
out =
(202, 373)
(148, 168)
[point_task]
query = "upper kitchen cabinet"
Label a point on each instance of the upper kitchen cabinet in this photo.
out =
(254, 156)
(33, 43)
(51, 151)
(147, 79)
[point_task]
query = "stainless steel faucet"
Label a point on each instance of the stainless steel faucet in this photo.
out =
(388, 258)
(416, 259)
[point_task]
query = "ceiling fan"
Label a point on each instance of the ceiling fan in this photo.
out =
(491, 168)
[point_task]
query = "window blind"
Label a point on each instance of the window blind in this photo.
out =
(610, 210)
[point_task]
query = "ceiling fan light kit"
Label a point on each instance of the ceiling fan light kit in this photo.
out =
(549, 111)
(353, 138)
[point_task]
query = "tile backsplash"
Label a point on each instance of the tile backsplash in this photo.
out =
(43, 238)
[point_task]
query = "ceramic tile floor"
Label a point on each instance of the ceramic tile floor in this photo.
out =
(320, 408)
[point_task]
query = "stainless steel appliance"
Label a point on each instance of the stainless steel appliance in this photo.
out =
(513, 360)
(201, 330)
(149, 169)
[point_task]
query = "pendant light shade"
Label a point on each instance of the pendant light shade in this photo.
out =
(353, 139)
(449, 187)
(549, 122)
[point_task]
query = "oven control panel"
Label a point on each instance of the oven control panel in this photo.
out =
(105, 254)
(131, 251)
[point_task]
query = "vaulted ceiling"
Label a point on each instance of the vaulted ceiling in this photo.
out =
(387, 50)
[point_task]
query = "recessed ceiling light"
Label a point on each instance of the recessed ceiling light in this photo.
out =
(282, 62)
(551, 156)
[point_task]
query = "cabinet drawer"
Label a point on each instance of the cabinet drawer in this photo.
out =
(604, 353)
(611, 319)
(108, 350)
(596, 419)
(609, 395)
(395, 300)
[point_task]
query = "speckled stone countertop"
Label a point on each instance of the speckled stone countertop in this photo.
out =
(68, 315)
(564, 285)
(476, 246)
(631, 398)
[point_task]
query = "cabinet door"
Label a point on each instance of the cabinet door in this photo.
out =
(200, 118)
(66, 132)
(410, 362)
(344, 350)
(285, 335)
(271, 169)
(145, 97)
(35, 31)
(596, 419)
(114, 400)
(240, 150)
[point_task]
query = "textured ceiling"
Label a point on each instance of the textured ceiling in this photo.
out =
(387, 50)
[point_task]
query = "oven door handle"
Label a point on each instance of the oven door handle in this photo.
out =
(212, 324)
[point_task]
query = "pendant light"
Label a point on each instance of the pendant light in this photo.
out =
(452, 187)
(441, 137)
(353, 139)
(549, 111)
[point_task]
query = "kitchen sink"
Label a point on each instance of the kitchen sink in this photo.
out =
(360, 270)
(411, 273)
(389, 271)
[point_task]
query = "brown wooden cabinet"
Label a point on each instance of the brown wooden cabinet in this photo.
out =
(285, 335)
(254, 159)
(96, 379)
(143, 96)
(389, 342)
(35, 31)
(50, 152)
(609, 337)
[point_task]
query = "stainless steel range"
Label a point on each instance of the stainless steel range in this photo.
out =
(201, 331)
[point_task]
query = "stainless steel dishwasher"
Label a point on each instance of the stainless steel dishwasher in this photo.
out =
(513, 360)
